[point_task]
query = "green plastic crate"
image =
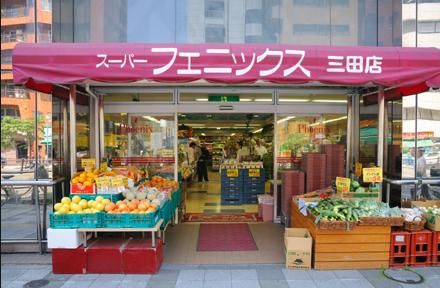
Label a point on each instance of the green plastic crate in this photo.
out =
(113, 197)
(166, 212)
(72, 221)
(130, 220)
(176, 197)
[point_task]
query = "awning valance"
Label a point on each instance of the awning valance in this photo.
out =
(38, 66)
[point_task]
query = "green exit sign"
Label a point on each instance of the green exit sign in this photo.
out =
(224, 98)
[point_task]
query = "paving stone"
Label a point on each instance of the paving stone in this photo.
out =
(270, 274)
(321, 275)
(77, 284)
(348, 274)
(373, 274)
(245, 284)
(244, 274)
(132, 284)
(427, 272)
(84, 277)
(421, 285)
(302, 284)
(218, 275)
(384, 283)
(191, 275)
(328, 283)
(274, 284)
(55, 284)
(296, 274)
(358, 283)
(161, 284)
(107, 277)
(105, 283)
(217, 284)
(189, 284)
(166, 275)
(137, 277)
(58, 277)
(11, 274)
(16, 284)
(33, 274)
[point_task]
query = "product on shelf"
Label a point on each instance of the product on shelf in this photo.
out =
(77, 205)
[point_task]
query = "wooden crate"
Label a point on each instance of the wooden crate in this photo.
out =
(364, 247)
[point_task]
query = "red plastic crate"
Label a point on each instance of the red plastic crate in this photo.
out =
(421, 248)
(436, 248)
(400, 248)
(139, 257)
(69, 261)
(105, 256)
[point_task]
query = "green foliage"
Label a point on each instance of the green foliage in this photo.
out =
(11, 127)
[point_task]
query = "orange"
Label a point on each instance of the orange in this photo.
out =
(110, 206)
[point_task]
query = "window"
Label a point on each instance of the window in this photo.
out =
(11, 91)
(214, 9)
(214, 34)
(321, 2)
(11, 111)
(46, 5)
(321, 29)
(429, 27)
(15, 35)
(7, 57)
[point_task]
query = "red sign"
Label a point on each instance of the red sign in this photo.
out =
(65, 63)
(420, 135)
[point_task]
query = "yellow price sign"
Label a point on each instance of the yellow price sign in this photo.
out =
(232, 172)
(254, 172)
(358, 169)
(343, 184)
(103, 166)
(102, 182)
(117, 182)
(167, 152)
(88, 162)
(372, 175)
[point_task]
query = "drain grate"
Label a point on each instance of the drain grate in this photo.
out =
(36, 283)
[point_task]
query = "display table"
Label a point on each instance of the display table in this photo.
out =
(153, 230)
(364, 247)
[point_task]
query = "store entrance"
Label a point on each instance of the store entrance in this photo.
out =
(226, 161)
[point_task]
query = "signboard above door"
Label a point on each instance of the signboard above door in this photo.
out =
(223, 98)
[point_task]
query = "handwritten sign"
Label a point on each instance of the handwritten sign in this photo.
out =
(358, 169)
(102, 182)
(88, 162)
(371, 175)
(117, 182)
(232, 172)
(254, 172)
(343, 184)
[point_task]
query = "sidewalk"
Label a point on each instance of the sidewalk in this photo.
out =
(19, 269)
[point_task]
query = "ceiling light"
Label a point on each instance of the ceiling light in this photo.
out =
(209, 115)
(257, 131)
(195, 124)
(245, 100)
(263, 100)
(202, 99)
(285, 119)
(218, 128)
(336, 119)
(182, 115)
(203, 134)
(294, 100)
(151, 119)
(329, 101)
(256, 116)
(233, 134)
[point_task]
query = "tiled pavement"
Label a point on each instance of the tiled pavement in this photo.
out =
(214, 276)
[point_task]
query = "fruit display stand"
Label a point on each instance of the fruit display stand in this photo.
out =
(363, 247)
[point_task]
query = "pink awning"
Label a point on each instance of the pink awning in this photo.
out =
(38, 66)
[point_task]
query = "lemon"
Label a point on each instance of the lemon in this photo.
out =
(66, 200)
(70, 212)
(99, 199)
(105, 201)
(58, 206)
(90, 203)
(63, 210)
(75, 207)
(76, 199)
(99, 206)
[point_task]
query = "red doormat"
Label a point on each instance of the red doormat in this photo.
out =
(218, 217)
(225, 237)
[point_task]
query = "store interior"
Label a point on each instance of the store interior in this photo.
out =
(219, 136)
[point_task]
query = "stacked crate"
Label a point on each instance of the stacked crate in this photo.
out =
(232, 188)
(292, 184)
(421, 248)
(314, 165)
(335, 162)
(435, 248)
(400, 248)
(252, 186)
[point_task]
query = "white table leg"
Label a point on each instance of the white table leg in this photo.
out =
(153, 239)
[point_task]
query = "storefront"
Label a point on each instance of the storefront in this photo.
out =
(138, 96)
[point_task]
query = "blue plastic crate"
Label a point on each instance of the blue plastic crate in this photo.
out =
(72, 221)
(112, 197)
(250, 201)
(231, 195)
(231, 189)
(130, 220)
(231, 201)
(166, 212)
(252, 190)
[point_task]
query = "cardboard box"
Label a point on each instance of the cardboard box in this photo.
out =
(64, 238)
(298, 243)
(432, 223)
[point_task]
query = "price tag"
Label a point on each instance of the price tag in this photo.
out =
(104, 166)
(302, 206)
(254, 172)
(372, 175)
(343, 184)
(232, 172)
(167, 152)
(88, 162)
(125, 179)
(358, 169)
(102, 182)
(117, 182)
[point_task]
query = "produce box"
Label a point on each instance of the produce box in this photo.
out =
(71, 221)
(432, 222)
(82, 189)
(112, 197)
(298, 247)
(129, 220)
(364, 247)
